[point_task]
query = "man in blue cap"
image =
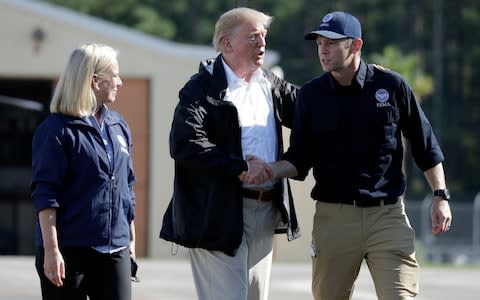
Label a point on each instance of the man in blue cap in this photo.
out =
(348, 127)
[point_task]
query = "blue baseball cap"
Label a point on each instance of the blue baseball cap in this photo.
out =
(337, 25)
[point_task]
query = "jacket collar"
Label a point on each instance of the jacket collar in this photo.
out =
(108, 116)
(363, 74)
(219, 84)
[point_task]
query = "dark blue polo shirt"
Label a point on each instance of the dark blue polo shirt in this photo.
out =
(351, 136)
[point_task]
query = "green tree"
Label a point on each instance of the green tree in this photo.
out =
(139, 15)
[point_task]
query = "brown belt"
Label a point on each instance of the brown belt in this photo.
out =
(264, 196)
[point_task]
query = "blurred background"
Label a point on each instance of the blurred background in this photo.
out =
(432, 43)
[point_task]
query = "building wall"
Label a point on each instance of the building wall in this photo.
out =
(132, 102)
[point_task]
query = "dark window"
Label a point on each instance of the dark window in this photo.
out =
(23, 105)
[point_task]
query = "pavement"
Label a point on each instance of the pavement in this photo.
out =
(172, 280)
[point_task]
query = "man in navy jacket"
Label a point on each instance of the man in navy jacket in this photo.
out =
(348, 128)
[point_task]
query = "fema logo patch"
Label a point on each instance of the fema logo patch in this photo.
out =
(327, 18)
(123, 144)
(121, 140)
(382, 97)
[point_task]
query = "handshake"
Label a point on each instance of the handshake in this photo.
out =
(258, 171)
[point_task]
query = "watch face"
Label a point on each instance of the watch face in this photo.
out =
(444, 193)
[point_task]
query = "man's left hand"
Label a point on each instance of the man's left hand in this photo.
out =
(441, 216)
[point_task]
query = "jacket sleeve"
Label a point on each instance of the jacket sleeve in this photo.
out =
(285, 95)
(190, 144)
(49, 165)
(417, 129)
(299, 153)
(130, 171)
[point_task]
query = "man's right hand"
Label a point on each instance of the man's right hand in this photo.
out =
(258, 171)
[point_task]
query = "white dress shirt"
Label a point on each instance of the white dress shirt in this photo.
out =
(254, 104)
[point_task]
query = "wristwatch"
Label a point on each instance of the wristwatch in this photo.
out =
(442, 193)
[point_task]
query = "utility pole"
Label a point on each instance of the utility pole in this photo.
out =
(438, 65)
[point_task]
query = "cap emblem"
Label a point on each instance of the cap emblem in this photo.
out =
(327, 18)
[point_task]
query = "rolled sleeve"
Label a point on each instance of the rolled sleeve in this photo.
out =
(417, 129)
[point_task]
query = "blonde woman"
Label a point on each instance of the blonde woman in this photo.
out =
(82, 180)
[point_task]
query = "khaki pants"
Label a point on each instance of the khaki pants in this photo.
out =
(344, 235)
(246, 275)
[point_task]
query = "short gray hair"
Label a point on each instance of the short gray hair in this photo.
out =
(231, 19)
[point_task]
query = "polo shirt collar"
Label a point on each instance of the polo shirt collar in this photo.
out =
(360, 76)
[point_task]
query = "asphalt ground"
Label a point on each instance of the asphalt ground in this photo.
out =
(172, 280)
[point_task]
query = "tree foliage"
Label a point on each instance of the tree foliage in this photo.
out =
(421, 51)
(407, 66)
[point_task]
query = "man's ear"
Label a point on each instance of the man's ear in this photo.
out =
(357, 45)
(227, 44)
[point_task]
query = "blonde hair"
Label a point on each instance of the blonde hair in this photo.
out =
(230, 20)
(74, 94)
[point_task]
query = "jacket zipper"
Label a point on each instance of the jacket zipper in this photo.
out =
(112, 183)
(111, 168)
(112, 187)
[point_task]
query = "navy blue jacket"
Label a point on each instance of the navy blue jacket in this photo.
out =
(71, 172)
(205, 142)
(352, 136)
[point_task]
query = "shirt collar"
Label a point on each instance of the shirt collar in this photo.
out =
(359, 78)
(361, 74)
(234, 81)
(103, 113)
